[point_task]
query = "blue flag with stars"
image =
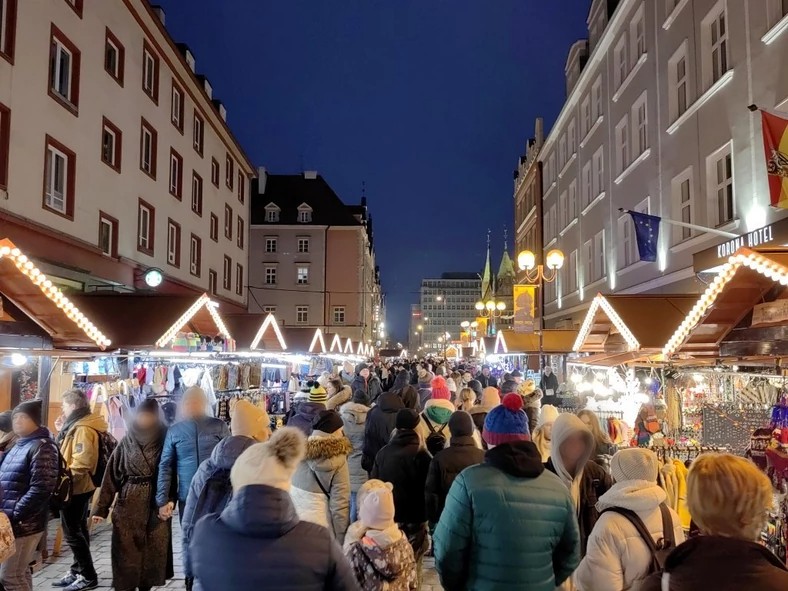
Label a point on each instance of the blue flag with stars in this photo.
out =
(646, 234)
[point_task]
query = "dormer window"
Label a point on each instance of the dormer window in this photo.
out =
(272, 213)
(304, 214)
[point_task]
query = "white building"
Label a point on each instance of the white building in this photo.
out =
(114, 155)
(656, 120)
(445, 303)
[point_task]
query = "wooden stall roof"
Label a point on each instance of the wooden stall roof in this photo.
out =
(615, 359)
(748, 278)
(554, 341)
(631, 322)
(135, 321)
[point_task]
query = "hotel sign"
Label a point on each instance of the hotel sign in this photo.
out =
(775, 234)
(750, 240)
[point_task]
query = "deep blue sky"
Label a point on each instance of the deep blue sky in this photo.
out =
(428, 101)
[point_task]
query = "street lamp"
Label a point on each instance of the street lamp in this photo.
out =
(492, 310)
(538, 275)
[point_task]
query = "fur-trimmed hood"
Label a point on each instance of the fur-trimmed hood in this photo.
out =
(353, 412)
(327, 453)
(340, 398)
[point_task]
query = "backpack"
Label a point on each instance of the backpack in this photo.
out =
(659, 550)
(213, 498)
(61, 496)
(436, 440)
(107, 444)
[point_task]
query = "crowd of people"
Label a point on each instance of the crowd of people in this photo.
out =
(377, 467)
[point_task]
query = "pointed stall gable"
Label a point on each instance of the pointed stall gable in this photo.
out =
(349, 346)
(336, 344)
(203, 303)
(500, 344)
(318, 345)
(269, 325)
(600, 303)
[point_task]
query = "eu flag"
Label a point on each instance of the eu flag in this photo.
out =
(646, 234)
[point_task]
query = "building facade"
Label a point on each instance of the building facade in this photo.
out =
(416, 336)
(115, 157)
(312, 258)
(446, 303)
(656, 121)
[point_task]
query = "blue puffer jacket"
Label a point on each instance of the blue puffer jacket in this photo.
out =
(28, 476)
(258, 542)
(211, 489)
(187, 445)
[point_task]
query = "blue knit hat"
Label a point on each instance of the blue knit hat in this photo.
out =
(506, 422)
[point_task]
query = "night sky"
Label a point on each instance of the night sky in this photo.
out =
(430, 102)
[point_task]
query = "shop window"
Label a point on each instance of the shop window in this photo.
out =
(150, 72)
(59, 176)
(146, 226)
(111, 145)
(108, 235)
(114, 57)
(64, 67)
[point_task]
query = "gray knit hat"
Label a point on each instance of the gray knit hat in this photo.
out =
(635, 463)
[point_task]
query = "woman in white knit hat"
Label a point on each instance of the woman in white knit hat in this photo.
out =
(617, 556)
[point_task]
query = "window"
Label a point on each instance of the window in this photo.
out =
(176, 174)
(148, 141)
(339, 314)
(195, 258)
(303, 245)
(637, 35)
(108, 234)
(76, 5)
(571, 283)
(304, 214)
(214, 229)
(622, 144)
(302, 314)
(270, 275)
(150, 72)
(595, 257)
(240, 233)
(302, 275)
(596, 99)
(111, 142)
(114, 57)
(599, 172)
(228, 171)
(176, 107)
(215, 172)
(777, 10)
(640, 123)
(227, 276)
(562, 152)
(563, 211)
(551, 169)
(586, 186)
(198, 133)
(173, 243)
(585, 117)
(621, 63)
(270, 245)
(678, 82)
(272, 214)
(550, 224)
(212, 282)
(683, 204)
(572, 211)
(7, 28)
(720, 179)
(64, 60)
(716, 43)
(228, 222)
(146, 225)
(627, 243)
(572, 138)
(196, 193)
(588, 260)
(269, 309)
(59, 173)
(5, 142)
(241, 186)
(239, 279)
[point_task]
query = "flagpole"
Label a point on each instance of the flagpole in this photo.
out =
(686, 225)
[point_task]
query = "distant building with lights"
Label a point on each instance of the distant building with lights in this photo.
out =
(445, 303)
(655, 121)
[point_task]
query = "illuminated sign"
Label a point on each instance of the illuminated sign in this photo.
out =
(750, 240)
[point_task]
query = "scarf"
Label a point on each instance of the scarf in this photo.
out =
(75, 416)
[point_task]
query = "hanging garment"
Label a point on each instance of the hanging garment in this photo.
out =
(206, 383)
(170, 383)
(681, 494)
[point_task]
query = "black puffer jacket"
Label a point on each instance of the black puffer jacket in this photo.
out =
(405, 464)
(371, 386)
(258, 542)
(380, 424)
(28, 476)
(714, 562)
(446, 465)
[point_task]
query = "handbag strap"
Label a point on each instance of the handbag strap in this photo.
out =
(320, 484)
(633, 518)
(667, 525)
(432, 427)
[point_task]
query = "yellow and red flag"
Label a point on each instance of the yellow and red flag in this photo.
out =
(775, 146)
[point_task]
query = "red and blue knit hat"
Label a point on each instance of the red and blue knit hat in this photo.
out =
(506, 422)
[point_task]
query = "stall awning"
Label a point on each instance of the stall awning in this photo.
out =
(142, 321)
(614, 359)
(258, 332)
(748, 278)
(554, 341)
(642, 322)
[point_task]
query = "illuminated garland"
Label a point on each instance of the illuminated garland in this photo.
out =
(588, 322)
(203, 300)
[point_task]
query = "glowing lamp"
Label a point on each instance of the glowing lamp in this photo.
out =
(153, 277)
(480, 306)
(526, 260)
(490, 305)
(555, 259)
(501, 306)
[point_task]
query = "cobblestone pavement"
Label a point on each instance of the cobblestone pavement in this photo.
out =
(100, 546)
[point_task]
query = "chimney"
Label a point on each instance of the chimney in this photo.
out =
(539, 131)
(188, 56)
(262, 178)
(310, 174)
(220, 107)
(159, 12)
(206, 85)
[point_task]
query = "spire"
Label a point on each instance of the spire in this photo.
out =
(487, 275)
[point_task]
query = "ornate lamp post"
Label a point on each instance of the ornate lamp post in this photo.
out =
(492, 310)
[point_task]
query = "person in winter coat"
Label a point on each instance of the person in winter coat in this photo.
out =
(508, 523)
(405, 462)
(380, 424)
(79, 441)
(544, 431)
(486, 379)
(367, 381)
(210, 489)
(436, 414)
(141, 548)
(382, 559)
(188, 443)
(354, 419)
(410, 397)
(489, 399)
(570, 453)
(401, 380)
(321, 483)
(28, 476)
(338, 394)
(306, 412)
(508, 385)
(446, 465)
(549, 386)
(603, 447)
(258, 541)
(465, 400)
(532, 397)
(476, 386)
(7, 435)
(617, 557)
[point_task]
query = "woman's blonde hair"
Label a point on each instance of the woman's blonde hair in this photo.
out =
(466, 399)
(600, 436)
(728, 496)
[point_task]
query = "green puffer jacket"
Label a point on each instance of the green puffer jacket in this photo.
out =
(508, 524)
